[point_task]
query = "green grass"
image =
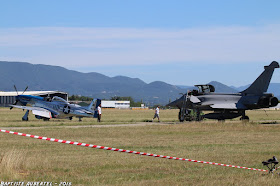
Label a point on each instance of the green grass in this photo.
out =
(12, 118)
(231, 142)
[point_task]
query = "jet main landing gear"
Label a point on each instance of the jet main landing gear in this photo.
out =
(244, 117)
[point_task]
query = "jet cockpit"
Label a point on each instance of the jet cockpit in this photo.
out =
(205, 88)
(202, 89)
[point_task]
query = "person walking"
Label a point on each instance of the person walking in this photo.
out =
(156, 114)
(99, 113)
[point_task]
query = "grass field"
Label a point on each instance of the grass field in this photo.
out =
(231, 142)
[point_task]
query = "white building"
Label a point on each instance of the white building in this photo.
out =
(115, 104)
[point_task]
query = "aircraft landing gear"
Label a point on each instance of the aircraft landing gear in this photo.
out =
(221, 119)
(182, 114)
(25, 117)
(244, 117)
(186, 114)
(190, 115)
(198, 116)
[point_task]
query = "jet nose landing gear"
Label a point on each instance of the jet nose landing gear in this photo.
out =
(190, 115)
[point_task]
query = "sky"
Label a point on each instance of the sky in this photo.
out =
(181, 42)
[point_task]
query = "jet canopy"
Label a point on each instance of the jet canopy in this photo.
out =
(202, 89)
(205, 88)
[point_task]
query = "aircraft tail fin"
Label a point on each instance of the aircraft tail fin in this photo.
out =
(260, 85)
(93, 106)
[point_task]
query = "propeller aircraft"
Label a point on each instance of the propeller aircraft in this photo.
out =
(56, 107)
(227, 106)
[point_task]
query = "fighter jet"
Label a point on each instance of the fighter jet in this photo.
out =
(227, 106)
(56, 107)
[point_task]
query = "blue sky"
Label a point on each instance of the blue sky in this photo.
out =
(180, 42)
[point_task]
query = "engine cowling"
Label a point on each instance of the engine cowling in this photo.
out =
(268, 101)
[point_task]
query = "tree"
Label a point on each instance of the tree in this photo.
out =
(79, 98)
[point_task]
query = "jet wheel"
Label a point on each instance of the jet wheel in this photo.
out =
(181, 119)
(221, 119)
(245, 118)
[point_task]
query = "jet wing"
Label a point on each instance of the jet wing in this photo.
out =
(38, 111)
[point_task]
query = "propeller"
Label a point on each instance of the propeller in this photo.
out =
(16, 89)
(25, 90)
(17, 95)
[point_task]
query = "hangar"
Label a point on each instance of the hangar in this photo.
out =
(8, 98)
(115, 104)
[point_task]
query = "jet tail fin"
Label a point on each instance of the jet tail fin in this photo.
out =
(260, 85)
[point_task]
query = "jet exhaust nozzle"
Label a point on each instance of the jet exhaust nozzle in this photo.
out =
(267, 102)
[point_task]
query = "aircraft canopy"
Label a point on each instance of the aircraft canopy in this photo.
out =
(205, 88)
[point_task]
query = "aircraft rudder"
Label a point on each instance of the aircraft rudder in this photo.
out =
(273, 64)
(260, 85)
(93, 106)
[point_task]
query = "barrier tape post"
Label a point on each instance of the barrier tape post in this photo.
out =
(127, 151)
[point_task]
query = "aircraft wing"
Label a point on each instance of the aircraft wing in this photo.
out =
(38, 111)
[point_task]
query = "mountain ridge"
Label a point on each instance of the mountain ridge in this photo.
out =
(94, 84)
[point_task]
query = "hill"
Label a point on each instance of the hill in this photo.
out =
(219, 87)
(93, 84)
(46, 77)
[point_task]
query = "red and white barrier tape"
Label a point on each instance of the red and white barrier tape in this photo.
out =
(127, 151)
